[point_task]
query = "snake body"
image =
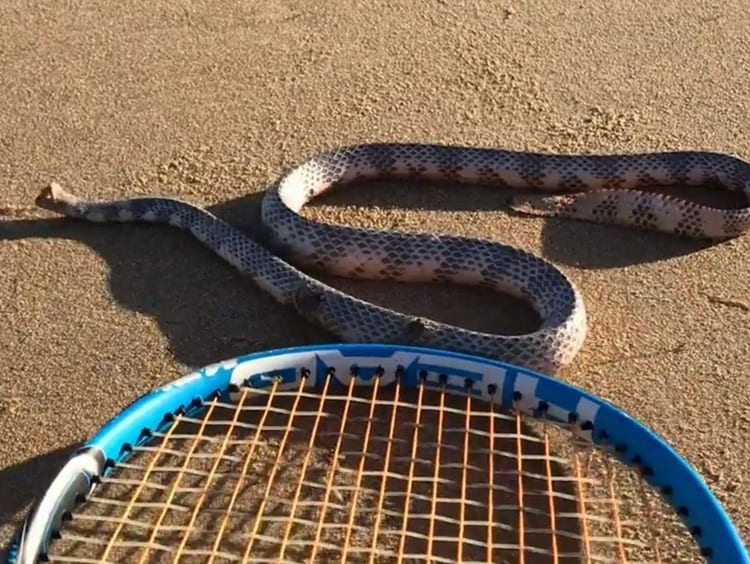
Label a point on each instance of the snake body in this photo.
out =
(599, 188)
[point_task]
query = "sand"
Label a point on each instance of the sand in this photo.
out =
(210, 102)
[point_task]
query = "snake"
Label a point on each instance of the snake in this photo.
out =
(600, 188)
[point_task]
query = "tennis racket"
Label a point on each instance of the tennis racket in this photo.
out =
(375, 453)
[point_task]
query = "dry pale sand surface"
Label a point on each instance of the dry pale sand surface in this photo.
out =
(210, 101)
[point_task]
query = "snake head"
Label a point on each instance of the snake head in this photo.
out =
(54, 198)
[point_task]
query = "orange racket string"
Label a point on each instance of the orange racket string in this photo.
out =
(246, 464)
(305, 463)
(491, 477)
(436, 474)
(410, 475)
(650, 519)
(361, 466)
(386, 466)
(334, 465)
(186, 462)
(581, 497)
(613, 498)
(519, 469)
(144, 481)
(550, 490)
(464, 472)
(212, 472)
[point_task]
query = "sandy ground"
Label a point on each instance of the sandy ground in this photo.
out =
(210, 101)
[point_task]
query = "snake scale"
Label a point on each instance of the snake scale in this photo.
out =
(598, 188)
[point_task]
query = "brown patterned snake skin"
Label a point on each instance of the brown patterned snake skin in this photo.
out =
(599, 188)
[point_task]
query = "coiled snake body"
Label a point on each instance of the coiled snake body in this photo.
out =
(599, 188)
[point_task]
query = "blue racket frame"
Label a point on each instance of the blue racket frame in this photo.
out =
(635, 444)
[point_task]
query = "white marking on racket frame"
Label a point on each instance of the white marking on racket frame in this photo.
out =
(73, 479)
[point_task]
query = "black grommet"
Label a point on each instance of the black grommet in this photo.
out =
(304, 373)
(707, 551)
(423, 374)
(443, 378)
(468, 383)
(667, 491)
(682, 510)
(621, 447)
(587, 426)
(572, 417)
(80, 498)
(696, 531)
(637, 460)
(234, 388)
(67, 516)
(354, 370)
(379, 371)
(647, 471)
(517, 396)
(492, 389)
(543, 406)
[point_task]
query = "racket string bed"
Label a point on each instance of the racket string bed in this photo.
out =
(346, 472)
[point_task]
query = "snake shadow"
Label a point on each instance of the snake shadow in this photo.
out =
(569, 242)
(204, 307)
(23, 483)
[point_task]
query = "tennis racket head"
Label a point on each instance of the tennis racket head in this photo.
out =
(382, 453)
